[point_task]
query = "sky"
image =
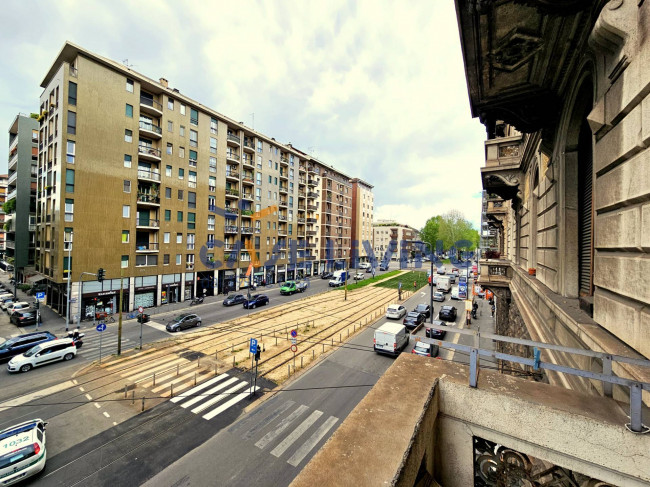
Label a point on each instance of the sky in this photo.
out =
(375, 88)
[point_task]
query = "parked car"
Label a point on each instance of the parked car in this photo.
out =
(256, 300)
(364, 265)
(383, 266)
(43, 354)
(22, 452)
(5, 300)
(16, 306)
(433, 333)
(448, 313)
(395, 311)
(234, 299)
(23, 317)
(181, 322)
(413, 319)
(359, 276)
(288, 288)
(425, 349)
(22, 343)
(424, 309)
(326, 275)
(368, 269)
(441, 270)
(438, 296)
(302, 286)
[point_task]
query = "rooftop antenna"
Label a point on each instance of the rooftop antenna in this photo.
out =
(126, 63)
(253, 115)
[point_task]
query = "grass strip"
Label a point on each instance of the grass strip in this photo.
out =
(419, 277)
(367, 282)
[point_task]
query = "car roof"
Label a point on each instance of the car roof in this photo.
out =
(58, 341)
(17, 429)
(447, 307)
(422, 305)
(35, 333)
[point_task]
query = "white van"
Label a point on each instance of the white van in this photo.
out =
(338, 278)
(443, 284)
(454, 292)
(391, 338)
(22, 451)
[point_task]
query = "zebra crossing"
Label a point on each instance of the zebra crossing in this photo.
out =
(285, 430)
(90, 348)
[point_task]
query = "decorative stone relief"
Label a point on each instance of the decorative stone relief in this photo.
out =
(509, 150)
(515, 49)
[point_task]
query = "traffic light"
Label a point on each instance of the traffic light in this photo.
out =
(100, 274)
(257, 354)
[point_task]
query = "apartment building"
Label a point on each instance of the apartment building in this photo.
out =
(177, 197)
(3, 216)
(363, 206)
(394, 240)
(21, 192)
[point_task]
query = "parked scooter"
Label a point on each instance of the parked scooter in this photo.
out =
(76, 338)
(197, 300)
(474, 311)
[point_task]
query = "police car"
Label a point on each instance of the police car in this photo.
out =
(22, 451)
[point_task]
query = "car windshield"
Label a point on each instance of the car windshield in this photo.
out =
(422, 347)
(3, 343)
(179, 317)
(413, 314)
(421, 307)
(33, 351)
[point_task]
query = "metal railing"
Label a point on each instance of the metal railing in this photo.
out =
(147, 174)
(150, 127)
(150, 103)
(234, 138)
(148, 150)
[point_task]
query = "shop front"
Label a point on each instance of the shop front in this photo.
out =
(102, 298)
(205, 283)
(282, 273)
(291, 272)
(270, 274)
(259, 276)
(227, 281)
(189, 286)
(171, 288)
(145, 291)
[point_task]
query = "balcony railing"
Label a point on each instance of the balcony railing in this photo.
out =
(232, 192)
(311, 182)
(147, 247)
(230, 229)
(147, 174)
(284, 189)
(282, 218)
(312, 233)
(247, 196)
(282, 203)
(248, 161)
(233, 138)
(148, 223)
(150, 127)
(148, 198)
(247, 230)
(312, 194)
(148, 102)
(232, 155)
(230, 246)
(149, 151)
(231, 211)
(495, 272)
(284, 160)
(248, 144)
(232, 174)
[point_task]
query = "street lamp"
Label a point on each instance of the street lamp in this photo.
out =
(431, 284)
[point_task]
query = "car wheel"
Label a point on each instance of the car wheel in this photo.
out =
(68, 356)
(198, 323)
(26, 368)
(253, 306)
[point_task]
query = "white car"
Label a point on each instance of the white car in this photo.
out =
(22, 451)
(359, 276)
(43, 354)
(364, 265)
(454, 292)
(15, 306)
(441, 270)
(395, 311)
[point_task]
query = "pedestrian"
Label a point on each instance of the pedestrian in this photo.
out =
(492, 310)
(415, 285)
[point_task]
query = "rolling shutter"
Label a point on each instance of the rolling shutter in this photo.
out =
(585, 211)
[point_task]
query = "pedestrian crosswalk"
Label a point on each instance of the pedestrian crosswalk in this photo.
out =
(286, 430)
(90, 348)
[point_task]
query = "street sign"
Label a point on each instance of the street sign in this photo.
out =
(294, 348)
(40, 295)
(140, 309)
(101, 327)
(294, 340)
(253, 347)
(468, 305)
(294, 333)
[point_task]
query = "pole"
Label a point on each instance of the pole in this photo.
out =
(346, 284)
(431, 288)
(67, 307)
(141, 321)
(119, 325)
(100, 347)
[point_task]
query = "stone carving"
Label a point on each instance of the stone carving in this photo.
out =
(515, 49)
(498, 466)
(613, 31)
(511, 150)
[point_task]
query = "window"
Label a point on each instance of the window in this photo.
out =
(69, 180)
(129, 111)
(189, 261)
(259, 146)
(178, 259)
(170, 104)
(194, 116)
(168, 215)
(191, 178)
(212, 183)
(126, 211)
(125, 236)
(67, 238)
(129, 85)
(275, 181)
(213, 145)
(166, 259)
(190, 241)
(181, 173)
(70, 147)
(194, 138)
(168, 193)
(125, 261)
(258, 207)
(270, 179)
(166, 237)
(72, 122)
(213, 164)
(127, 186)
(72, 93)
(193, 157)
(128, 136)
(258, 194)
(179, 216)
(180, 195)
(168, 171)
(170, 149)
(69, 209)
(212, 203)
(275, 195)
(191, 220)
(191, 199)
(179, 238)
(258, 178)
(213, 125)
(210, 222)
(182, 131)
(127, 160)
(276, 166)
(182, 109)
(170, 126)
(270, 163)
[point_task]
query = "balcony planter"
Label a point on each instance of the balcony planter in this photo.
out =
(532, 271)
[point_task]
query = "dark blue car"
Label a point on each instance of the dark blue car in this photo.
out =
(256, 300)
(17, 345)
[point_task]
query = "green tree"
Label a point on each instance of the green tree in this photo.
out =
(454, 228)
(429, 232)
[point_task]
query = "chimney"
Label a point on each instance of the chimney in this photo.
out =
(164, 82)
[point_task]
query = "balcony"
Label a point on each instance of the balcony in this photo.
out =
(147, 223)
(231, 156)
(150, 107)
(495, 273)
(301, 207)
(232, 193)
(245, 257)
(150, 130)
(502, 172)
(282, 231)
(246, 230)
(301, 220)
(284, 161)
(284, 175)
(230, 229)
(144, 248)
(312, 207)
(282, 245)
(302, 168)
(312, 233)
(282, 218)
(13, 160)
(248, 161)
(246, 179)
(148, 175)
(311, 170)
(249, 146)
(282, 203)
(300, 233)
(230, 246)
(148, 153)
(302, 194)
(247, 196)
(312, 194)
(146, 199)
(233, 140)
(310, 257)
(12, 178)
(247, 213)
(312, 220)
(311, 182)
(310, 245)
(10, 244)
(231, 211)
(284, 189)
(232, 175)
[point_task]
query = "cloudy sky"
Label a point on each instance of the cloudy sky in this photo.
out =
(375, 88)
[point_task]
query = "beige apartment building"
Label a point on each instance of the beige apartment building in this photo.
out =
(3, 199)
(141, 180)
(392, 240)
(363, 206)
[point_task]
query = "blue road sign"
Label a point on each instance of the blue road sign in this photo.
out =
(40, 295)
(294, 333)
(253, 348)
(101, 327)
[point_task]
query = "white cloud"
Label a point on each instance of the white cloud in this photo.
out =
(375, 88)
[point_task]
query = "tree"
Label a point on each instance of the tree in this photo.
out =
(429, 232)
(454, 228)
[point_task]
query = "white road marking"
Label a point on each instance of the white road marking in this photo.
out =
(218, 398)
(209, 392)
(198, 388)
(230, 403)
(97, 405)
(89, 397)
(284, 424)
(307, 446)
(252, 431)
(114, 423)
(17, 401)
(82, 389)
(106, 414)
(295, 434)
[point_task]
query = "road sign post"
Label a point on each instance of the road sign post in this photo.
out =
(253, 350)
(100, 328)
(141, 310)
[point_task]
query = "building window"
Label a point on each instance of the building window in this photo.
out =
(181, 152)
(170, 104)
(191, 199)
(210, 222)
(194, 138)
(259, 146)
(170, 149)
(258, 178)
(180, 195)
(212, 183)
(194, 116)
(129, 85)
(258, 194)
(213, 125)
(270, 179)
(190, 241)
(127, 160)
(170, 126)
(125, 236)
(129, 111)
(213, 145)
(72, 122)
(67, 238)
(191, 220)
(126, 211)
(166, 237)
(70, 147)
(270, 163)
(168, 215)
(182, 130)
(189, 261)
(181, 173)
(193, 157)
(179, 216)
(69, 180)
(72, 93)
(168, 171)
(168, 193)
(69, 209)
(178, 259)
(179, 238)
(182, 109)
(127, 186)
(213, 164)
(128, 136)
(191, 178)
(166, 259)
(125, 261)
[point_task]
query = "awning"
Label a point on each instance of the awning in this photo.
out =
(35, 278)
